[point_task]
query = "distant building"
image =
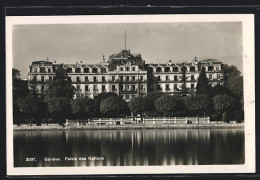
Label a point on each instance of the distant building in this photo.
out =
(125, 74)
(168, 76)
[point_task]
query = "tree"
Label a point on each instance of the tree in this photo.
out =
(233, 79)
(168, 105)
(61, 85)
(99, 98)
(151, 98)
(139, 105)
(59, 108)
(83, 108)
(184, 90)
(223, 103)
(20, 90)
(20, 87)
(203, 83)
(33, 108)
(198, 104)
(113, 106)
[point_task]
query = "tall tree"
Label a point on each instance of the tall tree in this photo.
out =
(223, 103)
(168, 105)
(233, 79)
(184, 90)
(20, 87)
(151, 98)
(113, 106)
(83, 108)
(33, 108)
(198, 104)
(202, 83)
(139, 105)
(59, 108)
(61, 85)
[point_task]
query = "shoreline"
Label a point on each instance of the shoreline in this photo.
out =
(127, 127)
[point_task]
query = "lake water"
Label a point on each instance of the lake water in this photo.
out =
(129, 147)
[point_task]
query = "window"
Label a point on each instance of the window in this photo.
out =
(158, 69)
(42, 78)
(121, 78)
(175, 87)
(42, 70)
(121, 87)
(103, 70)
(34, 69)
(113, 78)
(218, 77)
(192, 77)
(50, 78)
(159, 87)
(141, 78)
(103, 79)
(78, 79)
(167, 87)
(167, 78)
(133, 78)
(86, 78)
(175, 78)
(192, 86)
(127, 78)
(175, 69)
(127, 87)
(141, 87)
(113, 88)
(121, 69)
(133, 87)
(95, 88)
(192, 69)
(94, 70)
(69, 70)
(77, 70)
(158, 78)
(210, 68)
(42, 88)
(86, 88)
(210, 76)
(103, 88)
(184, 69)
(78, 87)
(217, 68)
(95, 79)
(167, 69)
(127, 68)
(49, 70)
(133, 68)
(86, 70)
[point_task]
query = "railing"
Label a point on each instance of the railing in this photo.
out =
(140, 120)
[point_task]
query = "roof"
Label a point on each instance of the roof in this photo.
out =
(210, 61)
(41, 62)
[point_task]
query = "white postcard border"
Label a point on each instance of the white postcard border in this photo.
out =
(249, 94)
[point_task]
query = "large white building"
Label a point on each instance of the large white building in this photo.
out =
(126, 74)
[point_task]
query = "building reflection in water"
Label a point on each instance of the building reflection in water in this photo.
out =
(131, 147)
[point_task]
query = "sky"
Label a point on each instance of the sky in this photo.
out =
(157, 42)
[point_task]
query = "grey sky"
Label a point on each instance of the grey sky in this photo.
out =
(157, 42)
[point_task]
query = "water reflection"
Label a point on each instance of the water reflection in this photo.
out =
(130, 147)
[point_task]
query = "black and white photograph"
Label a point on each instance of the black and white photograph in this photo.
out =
(130, 94)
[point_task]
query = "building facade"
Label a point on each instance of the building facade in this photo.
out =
(125, 74)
